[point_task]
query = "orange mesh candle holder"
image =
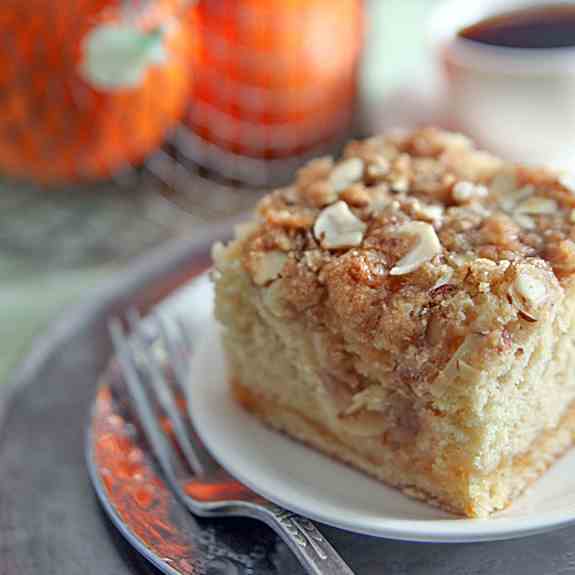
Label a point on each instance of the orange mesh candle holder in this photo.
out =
(273, 78)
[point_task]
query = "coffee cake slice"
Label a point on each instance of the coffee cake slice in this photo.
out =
(409, 309)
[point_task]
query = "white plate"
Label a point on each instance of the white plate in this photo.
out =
(302, 480)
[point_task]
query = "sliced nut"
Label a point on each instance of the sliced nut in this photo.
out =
(567, 180)
(314, 259)
(427, 212)
(380, 197)
(484, 287)
(458, 260)
(530, 288)
(470, 164)
(316, 169)
(503, 265)
(388, 150)
(444, 278)
(561, 255)
(346, 173)
(427, 247)
(525, 221)
(499, 229)
(356, 195)
(338, 227)
(378, 168)
(482, 164)
(483, 264)
(528, 293)
(399, 175)
(320, 194)
(290, 195)
(268, 266)
(509, 202)
(287, 219)
(523, 193)
(503, 185)
(479, 209)
(468, 191)
(434, 213)
(537, 206)
(400, 184)
(452, 139)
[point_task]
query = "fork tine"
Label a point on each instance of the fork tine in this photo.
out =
(184, 333)
(164, 394)
(155, 436)
(176, 353)
(178, 345)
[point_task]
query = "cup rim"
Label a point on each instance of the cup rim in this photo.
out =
(453, 15)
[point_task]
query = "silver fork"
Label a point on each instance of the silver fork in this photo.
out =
(202, 485)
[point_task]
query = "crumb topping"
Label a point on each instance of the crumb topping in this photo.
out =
(410, 242)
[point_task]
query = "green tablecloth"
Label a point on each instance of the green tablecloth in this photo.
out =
(54, 247)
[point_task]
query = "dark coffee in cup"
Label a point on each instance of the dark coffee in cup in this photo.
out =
(547, 26)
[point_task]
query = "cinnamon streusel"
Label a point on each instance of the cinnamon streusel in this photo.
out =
(410, 310)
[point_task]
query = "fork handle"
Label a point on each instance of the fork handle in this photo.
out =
(314, 552)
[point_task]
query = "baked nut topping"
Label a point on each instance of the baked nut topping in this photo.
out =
(337, 227)
(409, 233)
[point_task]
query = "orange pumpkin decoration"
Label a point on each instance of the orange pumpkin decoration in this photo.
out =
(274, 77)
(89, 86)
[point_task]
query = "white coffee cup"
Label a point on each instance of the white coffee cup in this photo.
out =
(519, 103)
